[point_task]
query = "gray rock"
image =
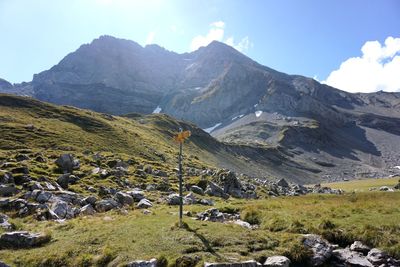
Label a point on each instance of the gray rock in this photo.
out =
(22, 239)
(243, 224)
(144, 204)
(277, 261)
(160, 173)
(62, 209)
(282, 182)
(90, 200)
(232, 185)
(360, 247)
(386, 188)
(214, 190)
(142, 263)
(213, 215)
(87, 210)
(2, 264)
(124, 198)
(21, 157)
(106, 205)
(350, 258)
(377, 257)
(136, 194)
(251, 263)
(6, 178)
(49, 186)
(189, 199)
(63, 180)
(7, 190)
(67, 163)
(43, 196)
(4, 223)
(197, 189)
(206, 202)
(322, 249)
(173, 199)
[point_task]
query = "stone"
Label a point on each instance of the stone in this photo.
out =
(197, 189)
(173, 199)
(322, 249)
(160, 173)
(87, 210)
(49, 186)
(90, 200)
(206, 202)
(63, 180)
(142, 263)
(7, 190)
(243, 224)
(277, 261)
(4, 223)
(106, 205)
(251, 263)
(67, 163)
(232, 185)
(35, 186)
(124, 198)
(282, 182)
(377, 257)
(43, 196)
(22, 239)
(386, 188)
(146, 212)
(213, 215)
(6, 178)
(360, 247)
(21, 157)
(189, 199)
(144, 204)
(40, 159)
(148, 169)
(62, 209)
(350, 258)
(2, 264)
(214, 190)
(136, 194)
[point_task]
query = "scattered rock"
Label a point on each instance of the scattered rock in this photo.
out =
(62, 209)
(206, 202)
(67, 163)
(7, 190)
(386, 188)
(160, 173)
(124, 198)
(350, 258)
(173, 199)
(89, 200)
(6, 178)
(282, 182)
(358, 246)
(189, 199)
(144, 204)
(232, 185)
(377, 257)
(197, 189)
(63, 180)
(43, 196)
(213, 215)
(22, 239)
(4, 222)
(322, 249)
(87, 210)
(106, 205)
(142, 263)
(214, 190)
(21, 157)
(277, 261)
(136, 194)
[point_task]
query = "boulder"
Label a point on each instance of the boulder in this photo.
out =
(6, 178)
(277, 261)
(160, 173)
(189, 199)
(377, 257)
(21, 157)
(321, 248)
(136, 194)
(144, 204)
(385, 188)
(350, 258)
(62, 209)
(22, 239)
(124, 198)
(282, 182)
(4, 223)
(87, 210)
(7, 190)
(358, 246)
(106, 205)
(213, 215)
(206, 202)
(173, 199)
(43, 196)
(214, 190)
(2, 264)
(251, 263)
(63, 180)
(232, 185)
(90, 200)
(142, 263)
(197, 189)
(67, 163)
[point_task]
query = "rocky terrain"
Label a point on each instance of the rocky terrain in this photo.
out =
(331, 134)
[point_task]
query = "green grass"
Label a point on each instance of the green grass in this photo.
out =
(364, 185)
(371, 217)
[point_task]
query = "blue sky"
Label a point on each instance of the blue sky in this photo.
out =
(309, 37)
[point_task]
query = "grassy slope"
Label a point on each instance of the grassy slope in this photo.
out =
(364, 185)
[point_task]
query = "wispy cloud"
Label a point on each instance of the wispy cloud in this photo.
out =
(377, 69)
(150, 38)
(216, 32)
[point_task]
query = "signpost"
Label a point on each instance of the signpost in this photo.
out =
(180, 137)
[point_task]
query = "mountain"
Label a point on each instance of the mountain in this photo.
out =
(332, 134)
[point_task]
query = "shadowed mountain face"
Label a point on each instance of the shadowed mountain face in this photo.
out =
(237, 99)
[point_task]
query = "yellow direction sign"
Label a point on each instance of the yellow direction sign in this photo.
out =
(180, 137)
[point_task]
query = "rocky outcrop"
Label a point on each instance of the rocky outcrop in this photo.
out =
(22, 239)
(321, 248)
(277, 261)
(67, 163)
(143, 263)
(215, 190)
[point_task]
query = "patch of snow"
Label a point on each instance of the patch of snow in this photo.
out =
(209, 130)
(157, 110)
(258, 113)
(237, 117)
(197, 88)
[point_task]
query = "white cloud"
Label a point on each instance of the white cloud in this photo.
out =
(150, 38)
(377, 69)
(216, 33)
